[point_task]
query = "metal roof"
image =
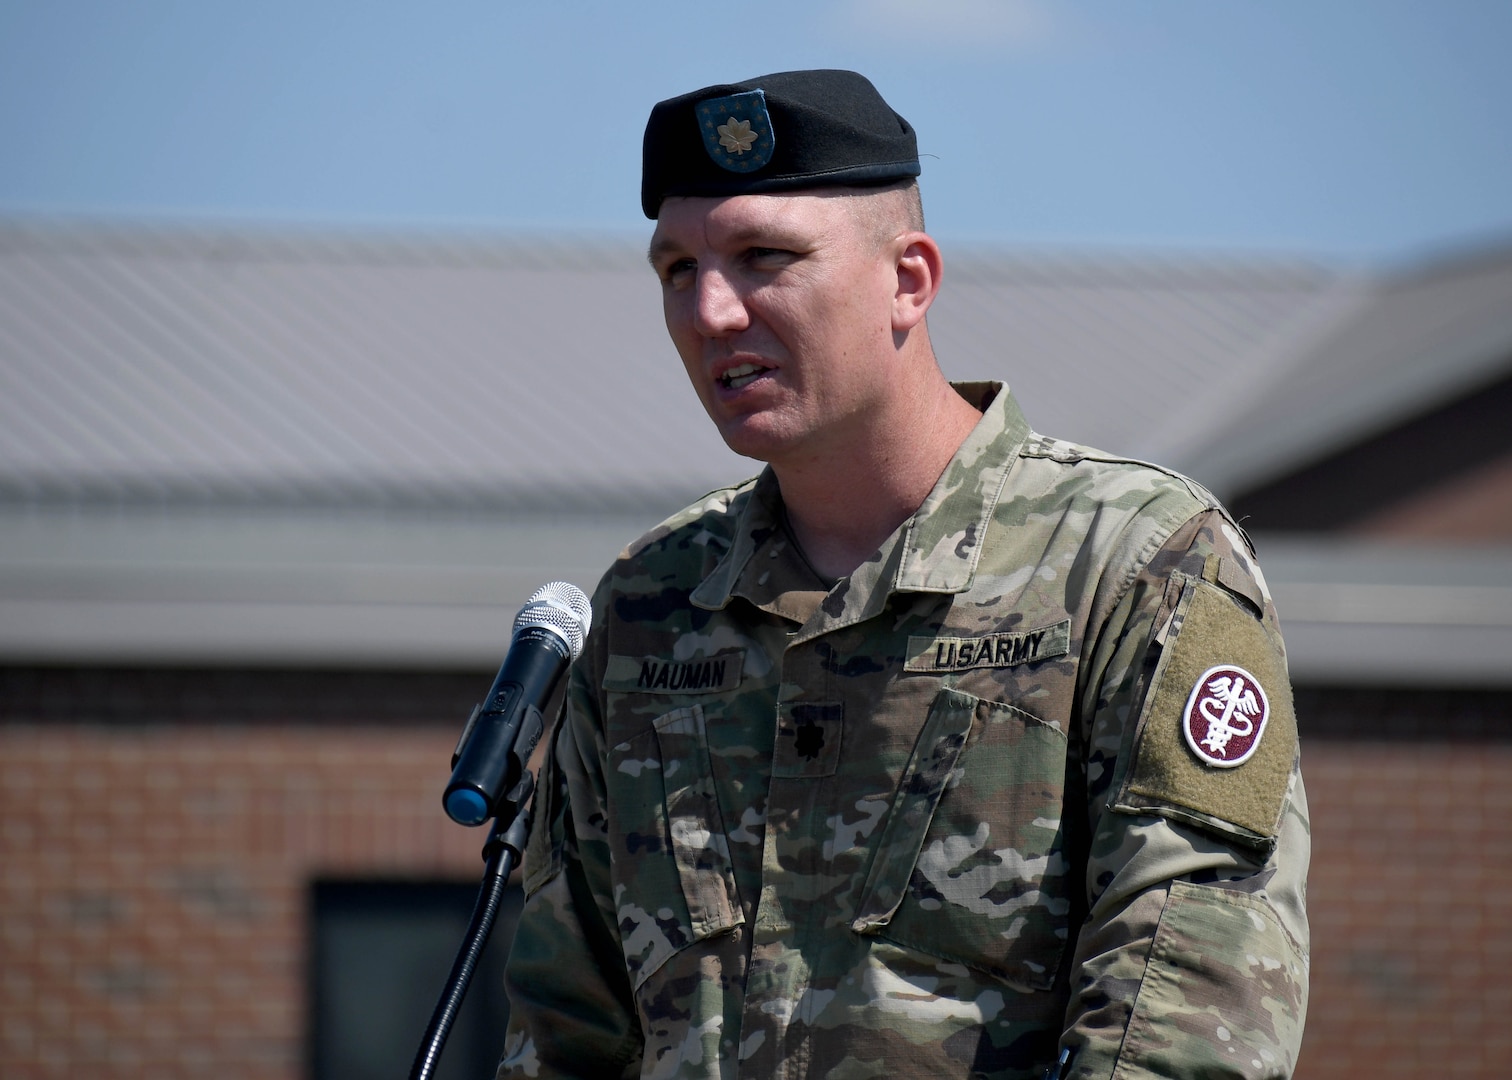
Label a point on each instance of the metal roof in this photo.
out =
(235, 445)
(205, 365)
(334, 370)
(1134, 354)
(1410, 342)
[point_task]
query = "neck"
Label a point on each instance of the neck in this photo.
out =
(843, 505)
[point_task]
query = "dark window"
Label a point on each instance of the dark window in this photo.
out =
(380, 954)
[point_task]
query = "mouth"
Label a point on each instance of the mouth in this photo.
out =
(741, 375)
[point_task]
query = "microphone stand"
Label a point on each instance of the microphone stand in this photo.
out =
(496, 745)
(501, 854)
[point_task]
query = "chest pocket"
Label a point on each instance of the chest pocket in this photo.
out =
(673, 883)
(971, 865)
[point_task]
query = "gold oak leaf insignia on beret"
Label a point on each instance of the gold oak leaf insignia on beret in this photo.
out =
(736, 136)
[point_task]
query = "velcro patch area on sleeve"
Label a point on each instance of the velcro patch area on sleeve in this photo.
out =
(1217, 737)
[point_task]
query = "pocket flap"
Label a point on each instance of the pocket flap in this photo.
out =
(934, 757)
(694, 823)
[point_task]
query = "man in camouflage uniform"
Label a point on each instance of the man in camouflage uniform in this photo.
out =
(941, 748)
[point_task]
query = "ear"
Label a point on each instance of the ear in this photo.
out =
(920, 268)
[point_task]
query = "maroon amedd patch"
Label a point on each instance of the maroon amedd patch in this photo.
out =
(1225, 716)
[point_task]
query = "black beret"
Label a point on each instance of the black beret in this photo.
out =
(781, 132)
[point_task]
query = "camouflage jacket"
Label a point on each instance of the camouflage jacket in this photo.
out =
(941, 819)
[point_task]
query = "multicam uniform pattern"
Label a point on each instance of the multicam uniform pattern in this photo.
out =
(933, 821)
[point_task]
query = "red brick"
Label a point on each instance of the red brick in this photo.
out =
(154, 893)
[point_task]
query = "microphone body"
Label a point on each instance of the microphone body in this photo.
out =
(490, 776)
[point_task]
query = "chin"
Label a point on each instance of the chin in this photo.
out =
(767, 435)
(749, 449)
(749, 442)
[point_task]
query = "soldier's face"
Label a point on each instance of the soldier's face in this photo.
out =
(780, 307)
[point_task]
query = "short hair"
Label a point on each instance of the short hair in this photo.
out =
(886, 211)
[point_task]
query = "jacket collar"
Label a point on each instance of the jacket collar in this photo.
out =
(936, 550)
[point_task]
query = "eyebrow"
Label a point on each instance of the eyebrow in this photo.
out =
(763, 235)
(659, 248)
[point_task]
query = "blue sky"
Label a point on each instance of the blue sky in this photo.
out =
(1371, 130)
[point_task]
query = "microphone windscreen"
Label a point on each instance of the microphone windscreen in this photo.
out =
(563, 609)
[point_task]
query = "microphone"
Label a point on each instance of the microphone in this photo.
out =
(489, 767)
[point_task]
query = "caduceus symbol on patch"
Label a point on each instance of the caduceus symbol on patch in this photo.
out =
(1232, 696)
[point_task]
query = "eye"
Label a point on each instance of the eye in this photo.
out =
(678, 272)
(769, 258)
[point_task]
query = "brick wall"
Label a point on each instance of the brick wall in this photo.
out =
(156, 865)
(1410, 899)
(156, 870)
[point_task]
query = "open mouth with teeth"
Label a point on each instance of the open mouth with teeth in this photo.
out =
(742, 375)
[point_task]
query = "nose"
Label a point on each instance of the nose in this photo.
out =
(718, 308)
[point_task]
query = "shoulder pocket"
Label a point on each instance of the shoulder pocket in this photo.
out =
(970, 865)
(1217, 736)
(1223, 965)
(673, 883)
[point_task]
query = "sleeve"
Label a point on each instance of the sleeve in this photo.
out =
(1192, 960)
(570, 1007)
